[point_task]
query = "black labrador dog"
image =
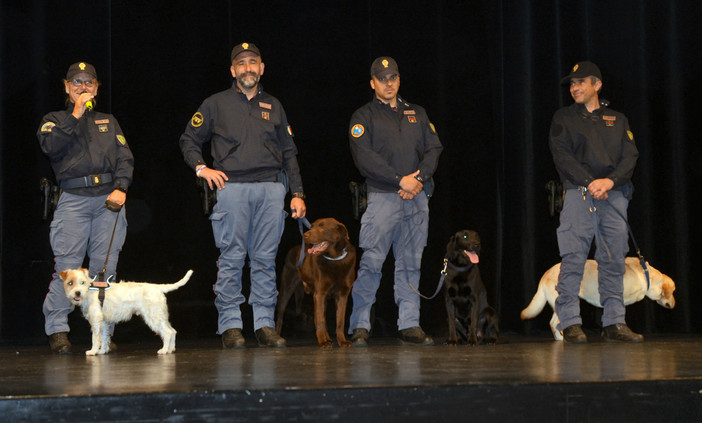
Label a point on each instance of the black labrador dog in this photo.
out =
(466, 298)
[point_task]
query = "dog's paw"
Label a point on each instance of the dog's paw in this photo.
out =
(345, 344)
(165, 351)
(325, 345)
(91, 352)
(451, 342)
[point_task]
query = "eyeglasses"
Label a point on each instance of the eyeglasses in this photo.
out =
(79, 82)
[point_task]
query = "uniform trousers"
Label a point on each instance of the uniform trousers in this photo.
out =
(390, 221)
(581, 221)
(248, 219)
(80, 225)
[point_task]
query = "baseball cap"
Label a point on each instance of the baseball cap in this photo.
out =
(383, 66)
(80, 67)
(240, 48)
(583, 70)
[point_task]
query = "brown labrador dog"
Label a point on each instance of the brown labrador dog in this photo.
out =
(328, 266)
(466, 298)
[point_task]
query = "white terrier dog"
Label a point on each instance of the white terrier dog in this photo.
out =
(635, 289)
(122, 301)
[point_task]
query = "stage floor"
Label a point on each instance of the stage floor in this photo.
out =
(659, 380)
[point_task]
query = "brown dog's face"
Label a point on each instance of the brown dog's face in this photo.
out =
(76, 283)
(464, 245)
(324, 234)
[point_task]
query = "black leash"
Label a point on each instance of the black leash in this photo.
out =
(100, 284)
(444, 272)
(644, 266)
(300, 222)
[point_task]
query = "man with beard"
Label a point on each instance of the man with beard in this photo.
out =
(93, 166)
(254, 157)
(396, 148)
(595, 155)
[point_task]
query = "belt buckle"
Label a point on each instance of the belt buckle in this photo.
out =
(94, 180)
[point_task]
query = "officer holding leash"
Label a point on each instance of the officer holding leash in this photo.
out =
(253, 152)
(93, 166)
(595, 155)
(396, 148)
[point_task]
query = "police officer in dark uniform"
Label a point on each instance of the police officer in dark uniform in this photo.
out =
(396, 148)
(253, 153)
(93, 165)
(595, 155)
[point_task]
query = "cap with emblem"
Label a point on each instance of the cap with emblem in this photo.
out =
(383, 66)
(240, 48)
(583, 70)
(80, 67)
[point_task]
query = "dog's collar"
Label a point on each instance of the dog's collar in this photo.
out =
(455, 268)
(341, 257)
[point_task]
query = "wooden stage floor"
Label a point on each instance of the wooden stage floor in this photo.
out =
(520, 379)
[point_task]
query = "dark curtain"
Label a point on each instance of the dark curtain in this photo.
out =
(487, 72)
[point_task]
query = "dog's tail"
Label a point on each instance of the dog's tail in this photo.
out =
(173, 286)
(537, 303)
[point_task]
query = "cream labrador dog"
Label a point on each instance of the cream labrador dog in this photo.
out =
(122, 301)
(660, 291)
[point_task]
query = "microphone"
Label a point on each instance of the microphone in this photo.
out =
(89, 105)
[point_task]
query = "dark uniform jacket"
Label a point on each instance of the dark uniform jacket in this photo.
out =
(91, 145)
(387, 144)
(251, 141)
(588, 146)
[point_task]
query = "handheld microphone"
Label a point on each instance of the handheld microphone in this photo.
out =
(89, 104)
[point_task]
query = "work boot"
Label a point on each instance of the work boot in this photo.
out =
(59, 343)
(574, 334)
(359, 337)
(620, 333)
(268, 337)
(415, 336)
(233, 339)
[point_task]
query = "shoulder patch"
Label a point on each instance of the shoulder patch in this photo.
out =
(433, 129)
(121, 139)
(631, 135)
(290, 132)
(197, 120)
(357, 130)
(47, 126)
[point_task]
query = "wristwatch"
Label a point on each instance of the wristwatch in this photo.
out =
(300, 195)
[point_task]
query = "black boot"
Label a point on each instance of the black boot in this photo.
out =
(233, 339)
(574, 334)
(59, 343)
(620, 333)
(268, 337)
(359, 337)
(415, 336)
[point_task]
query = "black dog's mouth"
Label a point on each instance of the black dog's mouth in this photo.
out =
(472, 256)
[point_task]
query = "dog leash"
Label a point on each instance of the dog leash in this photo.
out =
(444, 272)
(300, 223)
(593, 209)
(100, 284)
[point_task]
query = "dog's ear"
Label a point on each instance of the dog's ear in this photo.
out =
(63, 274)
(85, 271)
(343, 231)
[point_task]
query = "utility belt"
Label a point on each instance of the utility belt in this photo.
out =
(86, 181)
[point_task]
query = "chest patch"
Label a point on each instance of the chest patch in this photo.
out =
(409, 112)
(609, 120)
(266, 115)
(101, 121)
(102, 128)
(264, 105)
(412, 119)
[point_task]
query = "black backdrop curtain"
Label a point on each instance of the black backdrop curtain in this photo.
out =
(486, 71)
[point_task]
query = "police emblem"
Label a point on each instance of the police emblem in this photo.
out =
(245, 45)
(47, 126)
(102, 128)
(385, 63)
(121, 139)
(266, 115)
(412, 119)
(433, 129)
(630, 134)
(81, 65)
(197, 120)
(290, 132)
(357, 130)
(575, 68)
